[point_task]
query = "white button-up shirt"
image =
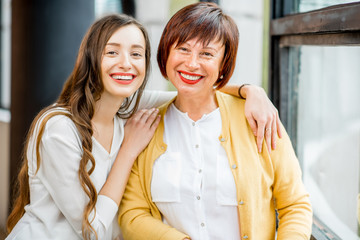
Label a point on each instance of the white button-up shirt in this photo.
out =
(57, 199)
(192, 183)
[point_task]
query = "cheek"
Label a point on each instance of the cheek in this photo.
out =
(142, 72)
(141, 66)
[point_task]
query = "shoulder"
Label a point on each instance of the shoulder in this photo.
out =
(230, 103)
(229, 99)
(57, 118)
(57, 122)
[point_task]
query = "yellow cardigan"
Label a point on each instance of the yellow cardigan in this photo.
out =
(264, 182)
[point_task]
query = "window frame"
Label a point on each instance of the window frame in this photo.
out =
(288, 29)
(1, 60)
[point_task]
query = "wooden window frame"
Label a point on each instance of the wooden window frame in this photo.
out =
(330, 26)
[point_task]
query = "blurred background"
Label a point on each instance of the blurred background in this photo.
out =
(304, 53)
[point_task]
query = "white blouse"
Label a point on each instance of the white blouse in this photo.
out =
(192, 184)
(57, 199)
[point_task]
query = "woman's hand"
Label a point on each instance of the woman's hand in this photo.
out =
(139, 130)
(262, 116)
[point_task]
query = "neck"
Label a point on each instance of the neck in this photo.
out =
(197, 106)
(106, 109)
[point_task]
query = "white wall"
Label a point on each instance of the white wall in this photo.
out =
(248, 16)
(4, 165)
(154, 15)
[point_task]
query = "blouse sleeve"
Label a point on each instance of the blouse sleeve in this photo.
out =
(61, 152)
(292, 199)
(151, 98)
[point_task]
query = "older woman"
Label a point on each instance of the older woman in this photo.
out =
(201, 176)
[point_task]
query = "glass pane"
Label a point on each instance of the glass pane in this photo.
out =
(328, 134)
(103, 7)
(309, 5)
(5, 53)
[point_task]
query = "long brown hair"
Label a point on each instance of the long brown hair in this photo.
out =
(80, 92)
(206, 22)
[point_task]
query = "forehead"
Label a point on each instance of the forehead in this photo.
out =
(128, 35)
(196, 42)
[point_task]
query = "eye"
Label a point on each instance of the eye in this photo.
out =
(111, 53)
(137, 54)
(183, 49)
(207, 54)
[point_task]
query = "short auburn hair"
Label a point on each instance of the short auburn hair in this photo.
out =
(205, 22)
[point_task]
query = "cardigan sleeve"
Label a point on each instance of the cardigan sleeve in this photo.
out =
(136, 218)
(292, 200)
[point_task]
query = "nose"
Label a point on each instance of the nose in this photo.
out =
(124, 61)
(192, 61)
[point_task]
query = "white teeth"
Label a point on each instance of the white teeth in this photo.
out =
(190, 77)
(123, 77)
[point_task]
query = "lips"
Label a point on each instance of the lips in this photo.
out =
(190, 78)
(123, 78)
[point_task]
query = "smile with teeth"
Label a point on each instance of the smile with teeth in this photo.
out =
(118, 77)
(123, 78)
(190, 78)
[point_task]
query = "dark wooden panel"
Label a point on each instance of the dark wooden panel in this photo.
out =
(321, 39)
(45, 38)
(332, 19)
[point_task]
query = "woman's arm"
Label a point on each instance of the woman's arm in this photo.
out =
(292, 199)
(260, 113)
(139, 130)
(155, 98)
(136, 219)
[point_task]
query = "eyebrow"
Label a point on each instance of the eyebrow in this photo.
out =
(211, 48)
(132, 46)
(204, 47)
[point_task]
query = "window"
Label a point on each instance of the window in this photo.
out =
(5, 34)
(315, 83)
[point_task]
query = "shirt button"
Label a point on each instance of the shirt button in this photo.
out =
(241, 202)
(198, 197)
(233, 166)
(222, 139)
(193, 124)
(245, 237)
(200, 170)
(202, 224)
(197, 145)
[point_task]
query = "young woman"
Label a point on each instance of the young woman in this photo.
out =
(78, 154)
(201, 176)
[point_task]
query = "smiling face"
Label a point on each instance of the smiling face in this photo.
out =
(194, 68)
(123, 65)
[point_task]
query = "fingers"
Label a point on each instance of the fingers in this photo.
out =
(138, 115)
(252, 124)
(155, 123)
(278, 124)
(273, 135)
(268, 131)
(150, 116)
(145, 117)
(260, 135)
